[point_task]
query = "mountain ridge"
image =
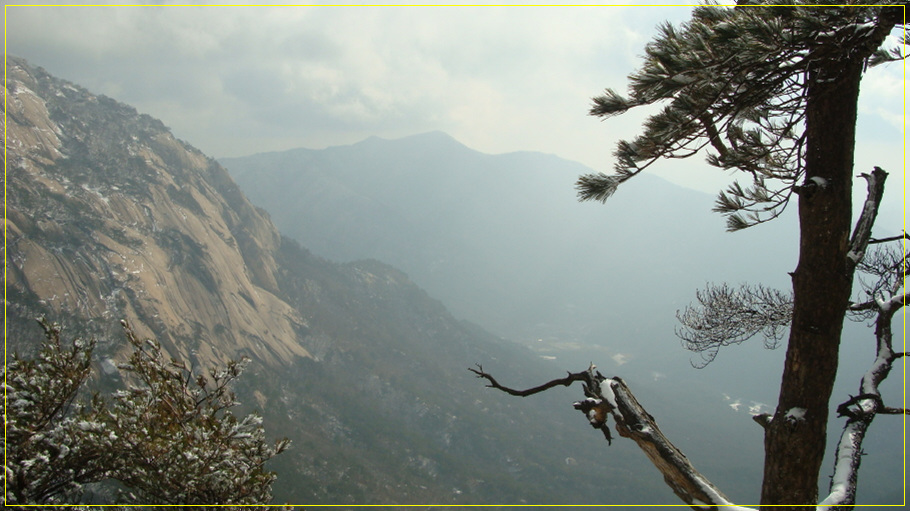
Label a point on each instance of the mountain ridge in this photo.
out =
(491, 234)
(110, 217)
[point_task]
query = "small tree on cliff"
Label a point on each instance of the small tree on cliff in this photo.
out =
(170, 438)
(771, 91)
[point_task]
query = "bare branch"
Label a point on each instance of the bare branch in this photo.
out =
(904, 236)
(861, 410)
(607, 397)
(843, 410)
(633, 421)
(763, 419)
(568, 380)
(897, 301)
(862, 306)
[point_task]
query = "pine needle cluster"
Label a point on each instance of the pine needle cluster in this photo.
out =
(735, 81)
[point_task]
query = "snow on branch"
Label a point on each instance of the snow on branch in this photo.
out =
(605, 397)
(887, 297)
(728, 316)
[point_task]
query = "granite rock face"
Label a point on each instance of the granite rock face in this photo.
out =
(109, 217)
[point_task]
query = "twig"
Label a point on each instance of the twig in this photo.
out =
(567, 381)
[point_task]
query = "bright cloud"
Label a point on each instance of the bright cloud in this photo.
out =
(236, 80)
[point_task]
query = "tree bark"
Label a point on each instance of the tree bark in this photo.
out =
(822, 285)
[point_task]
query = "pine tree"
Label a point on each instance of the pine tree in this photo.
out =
(771, 91)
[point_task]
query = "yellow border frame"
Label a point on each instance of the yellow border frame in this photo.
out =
(5, 163)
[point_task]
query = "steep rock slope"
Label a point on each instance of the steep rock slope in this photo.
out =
(109, 216)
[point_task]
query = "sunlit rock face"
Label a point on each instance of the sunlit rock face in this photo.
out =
(109, 217)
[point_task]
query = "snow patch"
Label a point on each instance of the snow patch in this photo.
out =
(843, 468)
(606, 390)
(682, 79)
(819, 181)
(754, 408)
(88, 426)
(796, 414)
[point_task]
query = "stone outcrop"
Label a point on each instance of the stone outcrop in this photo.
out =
(109, 216)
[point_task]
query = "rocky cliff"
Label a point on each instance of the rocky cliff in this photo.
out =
(109, 216)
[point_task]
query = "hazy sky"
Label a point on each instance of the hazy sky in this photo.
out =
(238, 80)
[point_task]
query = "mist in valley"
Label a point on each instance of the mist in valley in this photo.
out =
(502, 241)
(422, 189)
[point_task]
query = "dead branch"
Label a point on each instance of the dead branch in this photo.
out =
(861, 409)
(567, 381)
(763, 419)
(862, 232)
(904, 236)
(606, 397)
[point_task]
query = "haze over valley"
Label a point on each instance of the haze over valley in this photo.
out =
(370, 218)
(502, 240)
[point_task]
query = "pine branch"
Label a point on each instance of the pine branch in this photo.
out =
(599, 187)
(610, 104)
(726, 316)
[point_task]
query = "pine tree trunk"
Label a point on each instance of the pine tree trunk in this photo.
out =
(822, 286)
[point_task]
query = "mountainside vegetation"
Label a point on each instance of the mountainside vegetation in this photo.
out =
(169, 438)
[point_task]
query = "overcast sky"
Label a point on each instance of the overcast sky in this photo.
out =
(234, 81)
